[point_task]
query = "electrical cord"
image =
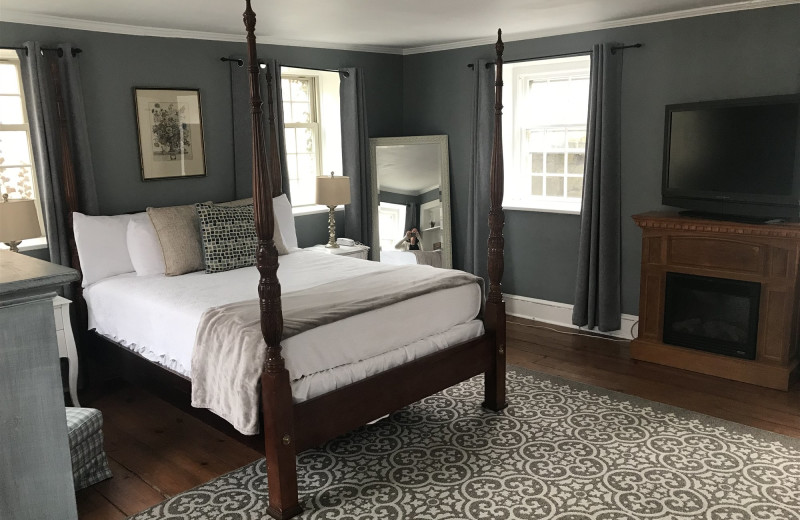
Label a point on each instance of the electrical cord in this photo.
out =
(610, 338)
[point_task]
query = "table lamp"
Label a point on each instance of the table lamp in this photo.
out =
(18, 221)
(332, 191)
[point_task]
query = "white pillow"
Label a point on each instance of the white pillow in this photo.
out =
(102, 246)
(143, 246)
(284, 218)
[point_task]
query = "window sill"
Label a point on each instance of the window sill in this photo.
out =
(563, 211)
(312, 209)
(28, 245)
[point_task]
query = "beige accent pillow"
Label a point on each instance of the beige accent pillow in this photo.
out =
(236, 203)
(178, 230)
(277, 237)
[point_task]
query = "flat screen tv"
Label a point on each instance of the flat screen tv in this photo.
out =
(734, 158)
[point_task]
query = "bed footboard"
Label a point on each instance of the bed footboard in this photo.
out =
(335, 413)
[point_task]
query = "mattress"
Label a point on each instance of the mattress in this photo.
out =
(157, 317)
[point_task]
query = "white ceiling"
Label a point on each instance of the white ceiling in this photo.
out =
(411, 169)
(396, 26)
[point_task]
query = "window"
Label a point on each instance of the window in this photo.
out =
(17, 177)
(391, 224)
(549, 112)
(312, 131)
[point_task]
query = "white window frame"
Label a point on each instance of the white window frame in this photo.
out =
(326, 127)
(515, 157)
(9, 56)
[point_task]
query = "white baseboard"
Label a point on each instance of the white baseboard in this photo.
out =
(558, 313)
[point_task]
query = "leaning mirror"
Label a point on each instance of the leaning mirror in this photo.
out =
(411, 184)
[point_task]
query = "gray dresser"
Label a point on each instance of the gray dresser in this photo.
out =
(35, 468)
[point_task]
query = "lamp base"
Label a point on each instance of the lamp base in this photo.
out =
(331, 228)
(14, 243)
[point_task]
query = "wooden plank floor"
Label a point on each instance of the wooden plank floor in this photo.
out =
(156, 450)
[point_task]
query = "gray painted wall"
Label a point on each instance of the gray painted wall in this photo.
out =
(396, 198)
(742, 54)
(747, 53)
(112, 65)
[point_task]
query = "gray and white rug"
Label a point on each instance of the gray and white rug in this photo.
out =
(561, 450)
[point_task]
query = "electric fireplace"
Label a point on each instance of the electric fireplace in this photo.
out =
(721, 298)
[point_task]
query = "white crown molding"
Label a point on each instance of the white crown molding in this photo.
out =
(136, 30)
(8, 15)
(639, 20)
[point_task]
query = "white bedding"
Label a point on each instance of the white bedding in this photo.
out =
(398, 258)
(157, 317)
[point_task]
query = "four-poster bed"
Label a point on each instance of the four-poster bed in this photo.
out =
(290, 427)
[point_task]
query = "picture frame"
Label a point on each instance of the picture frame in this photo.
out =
(169, 125)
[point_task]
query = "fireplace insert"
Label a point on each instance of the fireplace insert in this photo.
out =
(712, 314)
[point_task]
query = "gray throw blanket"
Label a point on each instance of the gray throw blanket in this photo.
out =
(229, 350)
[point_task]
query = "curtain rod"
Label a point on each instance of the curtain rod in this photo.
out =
(75, 50)
(566, 55)
(240, 62)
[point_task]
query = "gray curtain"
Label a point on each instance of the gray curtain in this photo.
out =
(412, 216)
(37, 83)
(355, 157)
(597, 286)
(280, 136)
(476, 246)
(242, 134)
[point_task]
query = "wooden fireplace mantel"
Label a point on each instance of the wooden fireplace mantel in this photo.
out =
(768, 254)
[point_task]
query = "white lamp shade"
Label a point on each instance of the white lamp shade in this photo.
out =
(18, 220)
(332, 191)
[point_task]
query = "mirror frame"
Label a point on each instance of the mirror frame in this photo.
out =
(444, 189)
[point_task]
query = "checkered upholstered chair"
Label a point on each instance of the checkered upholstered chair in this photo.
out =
(89, 463)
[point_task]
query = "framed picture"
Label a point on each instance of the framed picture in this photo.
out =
(170, 127)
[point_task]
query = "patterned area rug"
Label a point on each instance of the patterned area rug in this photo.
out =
(562, 450)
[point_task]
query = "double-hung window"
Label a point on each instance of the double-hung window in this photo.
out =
(17, 177)
(549, 109)
(312, 131)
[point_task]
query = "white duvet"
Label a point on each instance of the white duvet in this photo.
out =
(157, 317)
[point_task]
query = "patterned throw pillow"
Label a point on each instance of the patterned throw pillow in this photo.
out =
(228, 234)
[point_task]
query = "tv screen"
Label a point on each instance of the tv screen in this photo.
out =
(734, 156)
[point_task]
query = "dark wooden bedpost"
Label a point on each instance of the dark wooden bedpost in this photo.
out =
(69, 183)
(68, 179)
(495, 312)
(276, 394)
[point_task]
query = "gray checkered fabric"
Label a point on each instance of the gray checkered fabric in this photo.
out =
(228, 236)
(89, 463)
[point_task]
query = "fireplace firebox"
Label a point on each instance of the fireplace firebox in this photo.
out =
(712, 314)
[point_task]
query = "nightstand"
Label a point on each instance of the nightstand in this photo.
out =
(66, 344)
(359, 251)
